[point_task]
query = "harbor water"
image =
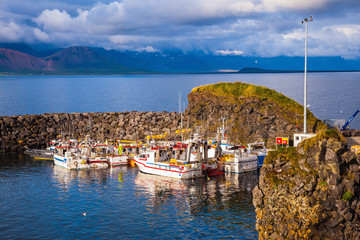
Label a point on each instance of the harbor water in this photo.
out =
(42, 201)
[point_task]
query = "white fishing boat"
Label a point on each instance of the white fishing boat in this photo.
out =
(116, 156)
(67, 157)
(237, 160)
(180, 160)
(117, 160)
(96, 156)
(40, 154)
(157, 163)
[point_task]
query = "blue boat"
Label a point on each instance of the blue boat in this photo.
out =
(258, 149)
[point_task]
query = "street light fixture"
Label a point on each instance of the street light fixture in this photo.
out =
(306, 20)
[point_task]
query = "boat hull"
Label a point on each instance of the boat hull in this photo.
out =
(117, 160)
(261, 160)
(243, 164)
(186, 171)
(70, 163)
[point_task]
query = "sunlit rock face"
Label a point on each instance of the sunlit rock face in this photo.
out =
(310, 192)
(251, 113)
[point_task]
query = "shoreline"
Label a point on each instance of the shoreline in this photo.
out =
(177, 73)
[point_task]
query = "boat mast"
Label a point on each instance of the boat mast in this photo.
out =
(223, 128)
(181, 117)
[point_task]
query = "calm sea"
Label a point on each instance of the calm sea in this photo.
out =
(330, 95)
(41, 201)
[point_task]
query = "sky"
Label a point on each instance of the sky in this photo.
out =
(264, 28)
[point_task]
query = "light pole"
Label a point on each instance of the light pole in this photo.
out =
(306, 20)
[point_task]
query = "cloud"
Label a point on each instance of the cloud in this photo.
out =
(230, 52)
(148, 49)
(40, 35)
(274, 5)
(57, 21)
(257, 27)
(11, 31)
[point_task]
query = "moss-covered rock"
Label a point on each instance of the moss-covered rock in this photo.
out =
(251, 113)
(309, 192)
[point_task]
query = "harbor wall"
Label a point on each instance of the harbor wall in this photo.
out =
(17, 133)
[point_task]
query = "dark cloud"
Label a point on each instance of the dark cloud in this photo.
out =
(251, 27)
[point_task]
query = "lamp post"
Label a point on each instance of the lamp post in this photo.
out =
(306, 20)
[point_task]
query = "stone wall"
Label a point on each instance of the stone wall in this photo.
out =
(34, 131)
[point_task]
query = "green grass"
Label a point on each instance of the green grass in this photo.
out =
(286, 106)
(325, 134)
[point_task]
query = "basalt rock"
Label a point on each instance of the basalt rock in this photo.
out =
(251, 113)
(299, 200)
(17, 133)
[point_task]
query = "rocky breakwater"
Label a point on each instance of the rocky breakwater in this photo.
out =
(251, 113)
(34, 131)
(310, 192)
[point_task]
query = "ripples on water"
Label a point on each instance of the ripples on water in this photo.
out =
(43, 201)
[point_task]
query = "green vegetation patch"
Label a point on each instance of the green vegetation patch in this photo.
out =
(347, 196)
(239, 89)
(288, 107)
(325, 134)
(289, 161)
(283, 154)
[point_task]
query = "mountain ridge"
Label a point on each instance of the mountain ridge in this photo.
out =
(22, 59)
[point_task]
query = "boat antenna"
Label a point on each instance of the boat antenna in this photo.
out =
(181, 116)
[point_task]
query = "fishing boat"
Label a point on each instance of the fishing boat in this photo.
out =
(158, 162)
(43, 154)
(116, 156)
(258, 149)
(237, 160)
(40, 154)
(67, 156)
(95, 155)
(184, 160)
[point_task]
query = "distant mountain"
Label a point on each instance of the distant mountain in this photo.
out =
(177, 62)
(14, 61)
(85, 60)
(20, 58)
(21, 47)
(73, 60)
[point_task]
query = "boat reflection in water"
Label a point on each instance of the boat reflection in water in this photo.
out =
(65, 176)
(225, 201)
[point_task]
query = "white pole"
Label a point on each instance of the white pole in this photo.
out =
(305, 75)
(306, 20)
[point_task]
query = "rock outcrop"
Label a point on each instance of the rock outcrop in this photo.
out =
(252, 113)
(310, 192)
